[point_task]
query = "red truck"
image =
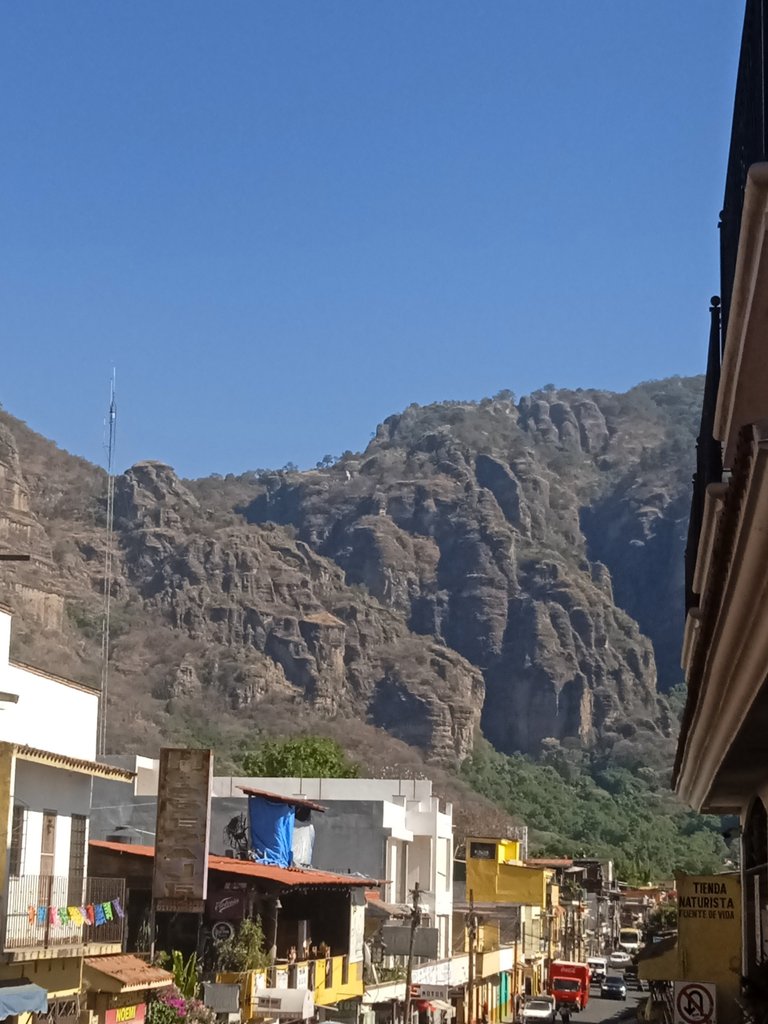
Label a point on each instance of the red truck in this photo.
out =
(569, 984)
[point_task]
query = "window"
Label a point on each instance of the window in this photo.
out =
(16, 861)
(48, 845)
(77, 859)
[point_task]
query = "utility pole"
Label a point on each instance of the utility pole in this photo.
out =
(415, 921)
(471, 922)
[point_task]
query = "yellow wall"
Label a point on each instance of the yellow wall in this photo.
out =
(61, 976)
(325, 995)
(496, 880)
(338, 990)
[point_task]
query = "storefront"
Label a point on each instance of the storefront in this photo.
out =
(118, 987)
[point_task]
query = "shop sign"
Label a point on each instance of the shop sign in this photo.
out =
(227, 905)
(222, 931)
(126, 1014)
(429, 992)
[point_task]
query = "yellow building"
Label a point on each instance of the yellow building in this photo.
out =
(496, 874)
(498, 880)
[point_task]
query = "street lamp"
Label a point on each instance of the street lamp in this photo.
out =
(277, 906)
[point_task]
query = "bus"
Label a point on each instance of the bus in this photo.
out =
(630, 940)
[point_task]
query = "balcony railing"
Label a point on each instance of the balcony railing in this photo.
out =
(51, 911)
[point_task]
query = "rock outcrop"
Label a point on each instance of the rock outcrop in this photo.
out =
(510, 566)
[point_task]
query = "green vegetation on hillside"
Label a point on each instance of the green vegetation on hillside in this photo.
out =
(579, 804)
(307, 756)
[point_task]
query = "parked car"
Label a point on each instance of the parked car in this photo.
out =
(540, 1011)
(619, 958)
(613, 987)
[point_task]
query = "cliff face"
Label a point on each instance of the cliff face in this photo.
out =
(510, 565)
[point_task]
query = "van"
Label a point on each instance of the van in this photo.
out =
(598, 965)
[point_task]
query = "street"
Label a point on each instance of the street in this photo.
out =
(600, 1010)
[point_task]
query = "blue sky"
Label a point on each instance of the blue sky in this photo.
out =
(283, 220)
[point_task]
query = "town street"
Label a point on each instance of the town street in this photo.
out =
(599, 1011)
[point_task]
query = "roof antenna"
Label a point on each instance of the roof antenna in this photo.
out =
(110, 425)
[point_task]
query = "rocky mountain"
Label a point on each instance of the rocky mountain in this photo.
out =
(507, 566)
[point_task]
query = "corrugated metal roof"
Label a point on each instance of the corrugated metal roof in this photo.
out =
(249, 868)
(292, 801)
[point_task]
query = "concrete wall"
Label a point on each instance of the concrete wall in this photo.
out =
(40, 788)
(51, 714)
(330, 789)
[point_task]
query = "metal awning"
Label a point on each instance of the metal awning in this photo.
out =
(290, 1003)
(16, 999)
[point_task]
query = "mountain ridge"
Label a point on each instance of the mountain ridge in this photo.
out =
(481, 565)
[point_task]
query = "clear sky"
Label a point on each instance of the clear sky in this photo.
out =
(283, 220)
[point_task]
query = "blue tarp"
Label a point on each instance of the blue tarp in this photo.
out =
(16, 999)
(271, 828)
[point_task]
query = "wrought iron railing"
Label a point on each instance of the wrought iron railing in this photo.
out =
(47, 911)
(709, 465)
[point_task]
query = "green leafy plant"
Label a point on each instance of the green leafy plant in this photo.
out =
(244, 951)
(185, 974)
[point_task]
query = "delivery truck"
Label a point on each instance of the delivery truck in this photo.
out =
(569, 984)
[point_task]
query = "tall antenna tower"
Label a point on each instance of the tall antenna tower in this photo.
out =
(110, 426)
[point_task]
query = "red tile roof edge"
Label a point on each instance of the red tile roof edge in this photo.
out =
(250, 868)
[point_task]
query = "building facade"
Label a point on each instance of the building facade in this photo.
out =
(722, 765)
(394, 830)
(52, 912)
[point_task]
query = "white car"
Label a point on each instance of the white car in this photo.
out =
(619, 958)
(539, 1010)
(598, 965)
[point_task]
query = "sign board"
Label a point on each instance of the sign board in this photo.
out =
(126, 1014)
(695, 1002)
(429, 992)
(180, 880)
(397, 938)
(221, 931)
(482, 851)
(228, 906)
(709, 936)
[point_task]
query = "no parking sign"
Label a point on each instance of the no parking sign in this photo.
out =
(695, 1002)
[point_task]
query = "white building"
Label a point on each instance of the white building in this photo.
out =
(47, 750)
(395, 830)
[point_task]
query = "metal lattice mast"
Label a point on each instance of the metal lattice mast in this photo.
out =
(110, 428)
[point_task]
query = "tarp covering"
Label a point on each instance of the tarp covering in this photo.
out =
(303, 843)
(271, 829)
(16, 999)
